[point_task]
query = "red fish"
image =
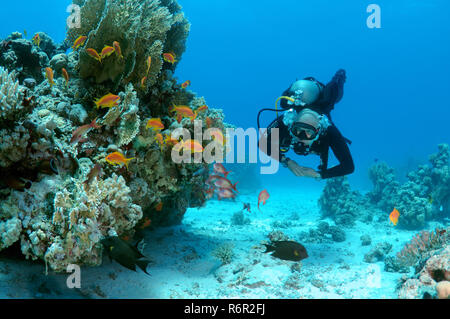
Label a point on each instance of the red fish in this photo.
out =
(82, 130)
(219, 168)
(169, 57)
(159, 206)
(146, 223)
(263, 196)
(222, 182)
(186, 84)
(225, 193)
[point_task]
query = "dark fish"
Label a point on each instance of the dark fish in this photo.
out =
(246, 207)
(287, 250)
(124, 253)
(17, 183)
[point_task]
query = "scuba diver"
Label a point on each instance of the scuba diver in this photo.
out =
(306, 127)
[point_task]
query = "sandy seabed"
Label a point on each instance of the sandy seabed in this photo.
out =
(183, 265)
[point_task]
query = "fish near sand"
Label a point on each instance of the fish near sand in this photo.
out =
(287, 250)
(262, 197)
(246, 207)
(124, 253)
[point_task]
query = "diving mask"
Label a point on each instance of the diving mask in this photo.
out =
(304, 131)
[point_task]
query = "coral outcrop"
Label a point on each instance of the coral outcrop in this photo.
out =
(423, 197)
(429, 280)
(143, 29)
(59, 196)
(340, 203)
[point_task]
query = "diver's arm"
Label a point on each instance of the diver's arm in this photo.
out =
(333, 91)
(342, 152)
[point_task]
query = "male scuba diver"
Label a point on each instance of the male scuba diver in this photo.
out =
(307, 128)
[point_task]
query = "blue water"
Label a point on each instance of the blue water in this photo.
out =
(241, 55)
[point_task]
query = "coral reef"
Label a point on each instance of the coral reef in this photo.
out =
(142, 28)
(385, 186)
(323, 233)
(422, 245)
(58, 195)
(224, 253)
(423, 197)
(340, 203)
(431, 279)
(378, 252)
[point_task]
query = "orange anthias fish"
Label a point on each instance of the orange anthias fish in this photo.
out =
(186, 84)
(117, 49)
(149, 63)
(49, 75)
(190, 145)
(220, 169)
(83, 130)
(143, 82)
(202, 108)
(118, 158)
(146, 222)
(155, 124)
(169, 57)
(159, 138)
(159, 206)
(217, 135)
(393, 216)
(37, 39)
(263, 196)
(109, 100)
(168, 140)
(107, 51)
(94, 54)
(66, 76)
(183, 111)
(79, 42)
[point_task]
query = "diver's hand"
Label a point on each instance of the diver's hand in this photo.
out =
(301, 170)
(340, 76)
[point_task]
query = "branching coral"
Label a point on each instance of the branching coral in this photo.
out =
(10, 95)
(422, 245)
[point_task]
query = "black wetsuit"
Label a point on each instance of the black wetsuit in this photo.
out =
(331, 138)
